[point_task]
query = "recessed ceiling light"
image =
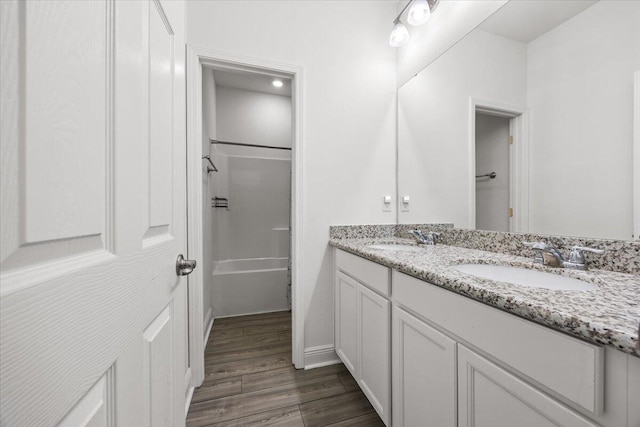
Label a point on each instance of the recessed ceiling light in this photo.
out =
(277, 83)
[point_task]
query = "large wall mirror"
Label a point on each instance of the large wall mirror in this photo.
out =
(527, 123)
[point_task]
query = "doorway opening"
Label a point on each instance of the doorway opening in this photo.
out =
(244, 194)
(493, 208)
(499, 165)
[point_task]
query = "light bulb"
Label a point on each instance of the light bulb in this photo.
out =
(277, 83)
(419, 12)
(399, 35)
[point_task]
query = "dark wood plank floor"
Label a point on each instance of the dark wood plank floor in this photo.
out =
(250, 381)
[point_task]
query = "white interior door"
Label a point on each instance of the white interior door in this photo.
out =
(92, 314)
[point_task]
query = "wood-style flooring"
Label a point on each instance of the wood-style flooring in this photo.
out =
(250, 381)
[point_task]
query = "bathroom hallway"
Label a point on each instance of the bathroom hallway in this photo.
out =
(249, 380)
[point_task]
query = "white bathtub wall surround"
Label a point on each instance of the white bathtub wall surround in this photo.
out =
(258, 203)
(608, 30)
(348, 115)
(250, 286)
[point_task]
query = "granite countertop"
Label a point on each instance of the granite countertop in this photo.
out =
(608, 316)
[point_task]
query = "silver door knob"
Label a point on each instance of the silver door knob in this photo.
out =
(184, 266)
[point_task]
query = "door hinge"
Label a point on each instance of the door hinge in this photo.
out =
(510, 140)
(510, 212)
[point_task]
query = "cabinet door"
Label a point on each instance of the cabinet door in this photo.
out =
(490, 396)
(424, 374)
(345, 321)
(374, 350)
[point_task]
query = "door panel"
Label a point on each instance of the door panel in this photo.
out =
(157, 366)
(424, 374)
(83, 282)
(55, 111)
(374, 350)
(346, 341)
(161, 68)
(492, 397)
(95, 409)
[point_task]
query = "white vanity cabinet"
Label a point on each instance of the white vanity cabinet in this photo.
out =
(362, 326)
(426, 356)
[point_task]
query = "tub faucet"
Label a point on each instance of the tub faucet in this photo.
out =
(551, 256)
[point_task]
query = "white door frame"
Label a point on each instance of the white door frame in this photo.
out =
(636, 156)
(196, 58)
(518, 159)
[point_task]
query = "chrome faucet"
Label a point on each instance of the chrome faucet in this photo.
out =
(421, 239)
(419, 236)
(551, 256)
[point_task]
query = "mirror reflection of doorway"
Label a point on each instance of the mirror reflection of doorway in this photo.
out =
(492, 172)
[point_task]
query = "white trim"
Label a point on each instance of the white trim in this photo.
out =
(187, 401)
(196, 58)
(636, 156)
(194, 215)
(518, 161)
(319, 356)
(190, 390)
(208, 324)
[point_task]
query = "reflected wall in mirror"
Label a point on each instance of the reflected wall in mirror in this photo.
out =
(557, 79)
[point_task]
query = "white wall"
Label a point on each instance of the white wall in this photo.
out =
(208, 131)
(348, 114)
(434, 123)
(450, 22)
(581, 181)
(253, 117)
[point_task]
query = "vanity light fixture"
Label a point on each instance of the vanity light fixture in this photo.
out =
(419, 13)
(277, 83)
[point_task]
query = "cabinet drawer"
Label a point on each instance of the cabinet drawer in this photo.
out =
(375, 276)
(567, 367)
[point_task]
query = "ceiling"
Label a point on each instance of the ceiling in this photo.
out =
(251, 81)
(526, 20)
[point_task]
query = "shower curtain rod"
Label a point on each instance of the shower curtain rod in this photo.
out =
(214, 141)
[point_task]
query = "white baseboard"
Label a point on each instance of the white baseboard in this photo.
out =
(322, 355)
(188, 399)
(208, 324)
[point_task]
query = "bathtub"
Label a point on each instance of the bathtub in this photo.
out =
(249, 286)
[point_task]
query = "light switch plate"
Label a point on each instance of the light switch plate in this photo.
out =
(386, 203)
(404, 203)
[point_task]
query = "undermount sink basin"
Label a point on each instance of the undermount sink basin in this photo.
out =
(525, 277)
(395, 247)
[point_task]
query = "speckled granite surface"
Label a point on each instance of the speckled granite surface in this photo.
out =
(380, 230)
(622, 256)
(608, 316)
